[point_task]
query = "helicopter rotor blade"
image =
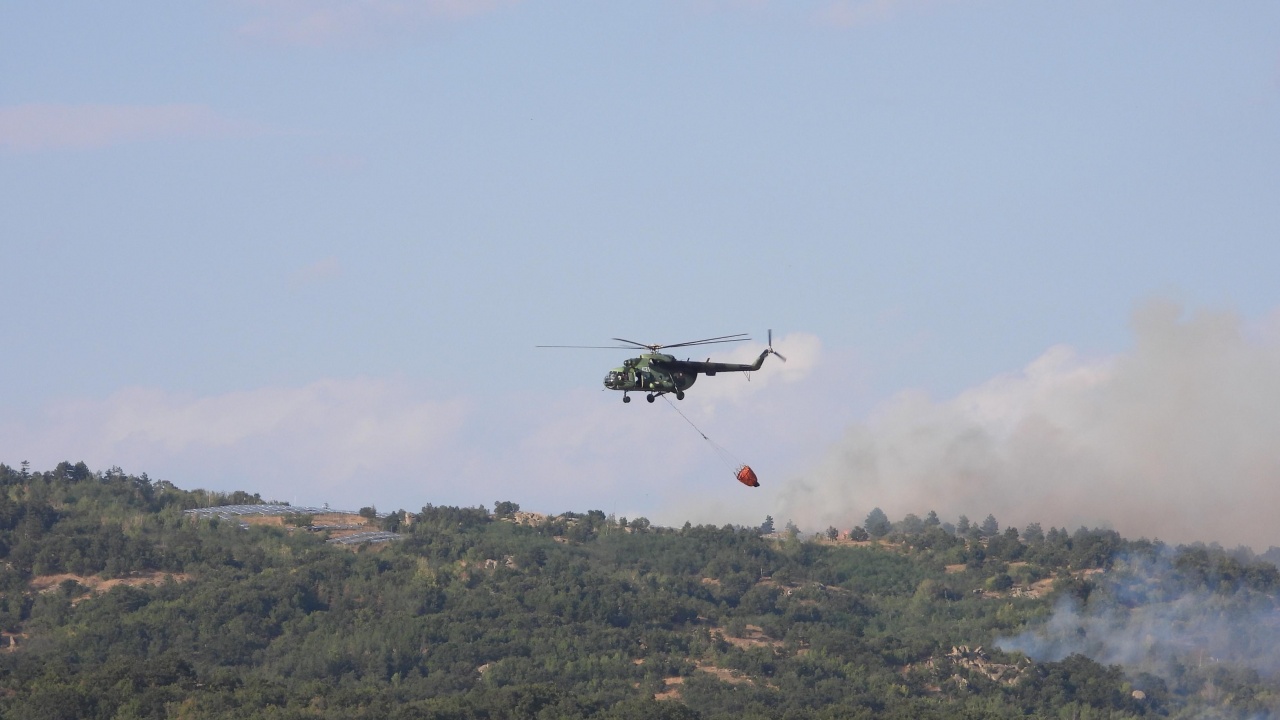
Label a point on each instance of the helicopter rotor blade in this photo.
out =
(739, 337)
(637, 344)
(775, 352)
(588, 347)
(704, 342)
(654, 347)
(742, 336)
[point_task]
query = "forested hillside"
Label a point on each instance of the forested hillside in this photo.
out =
(113, 604)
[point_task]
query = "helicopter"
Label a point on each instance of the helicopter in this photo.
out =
(659, 373)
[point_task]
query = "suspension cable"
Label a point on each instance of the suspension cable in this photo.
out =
(686, 418)
(725, 455)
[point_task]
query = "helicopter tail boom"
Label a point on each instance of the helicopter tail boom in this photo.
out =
(710, 368)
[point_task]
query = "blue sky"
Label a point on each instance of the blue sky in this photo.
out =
(308, 247)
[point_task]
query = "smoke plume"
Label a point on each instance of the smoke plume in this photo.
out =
(1149, 617)
(1176, 439)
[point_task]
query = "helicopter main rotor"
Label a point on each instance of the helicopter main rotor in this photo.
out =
(655, 347)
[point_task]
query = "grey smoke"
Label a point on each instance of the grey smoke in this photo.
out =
(1143, 617)
(1176, 438)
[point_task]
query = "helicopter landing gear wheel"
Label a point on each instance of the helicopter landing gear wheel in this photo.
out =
(679, 394)
(626, 399)
(649, 397)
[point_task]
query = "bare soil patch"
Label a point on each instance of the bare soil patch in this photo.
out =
(732, 677)
(673, 689)
(45, 583)
(10, 642)
(753, 637)
(1040, 588)
(276, 520)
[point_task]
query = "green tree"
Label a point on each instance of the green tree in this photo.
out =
(911, 525)
(1032, 534)
(579, 624)
(990, 527)
(877, 523)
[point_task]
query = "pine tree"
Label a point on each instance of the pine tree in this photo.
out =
(766, 527)
(877, 523)
(990, 527)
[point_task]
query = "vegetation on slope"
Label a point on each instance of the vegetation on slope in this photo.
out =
(473, 615)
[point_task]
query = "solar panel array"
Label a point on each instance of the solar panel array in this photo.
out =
(364, 537)
(230, 512)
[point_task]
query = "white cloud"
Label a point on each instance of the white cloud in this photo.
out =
(326, 22)
(1175, 439)
(360, 441)
(36, 127)
(340, 440)
(802, 350)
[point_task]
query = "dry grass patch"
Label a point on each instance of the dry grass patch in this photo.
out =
(274, 520)
(44, 583)
(340, 519)
(752, 637)
(673, 689)
(733, 677)
(1040, 588)
(95, 584)
(9, 642)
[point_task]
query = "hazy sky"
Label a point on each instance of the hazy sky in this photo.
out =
(307, 248)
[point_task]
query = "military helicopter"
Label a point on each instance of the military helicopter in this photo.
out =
(659, 373)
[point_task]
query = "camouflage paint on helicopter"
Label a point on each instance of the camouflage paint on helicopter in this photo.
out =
(656, 373)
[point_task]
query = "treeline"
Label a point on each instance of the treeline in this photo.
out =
(1036, 551)
(472, 615)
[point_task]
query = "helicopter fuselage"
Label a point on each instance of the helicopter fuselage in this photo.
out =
(652, 372)
(661, 373)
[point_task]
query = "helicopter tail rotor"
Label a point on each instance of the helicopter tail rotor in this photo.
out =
(772, 351)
